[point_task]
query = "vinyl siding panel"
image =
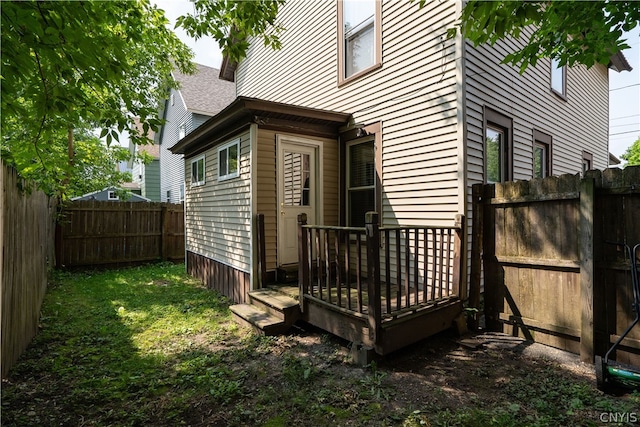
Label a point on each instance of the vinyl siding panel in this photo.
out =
(267, 201)
(218, 213)
(414, 95)
(578, 123)
(152, 180)
(172, 165)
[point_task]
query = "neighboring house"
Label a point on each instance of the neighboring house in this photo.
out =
(199, 97)
(147, 176)
(110, 194)
(369, 106)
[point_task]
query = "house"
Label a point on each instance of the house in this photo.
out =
(368, 106)
(198, 97)
(111, 194)
(147, 175)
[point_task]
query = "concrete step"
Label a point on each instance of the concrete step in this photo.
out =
(276, 304)
(261, 321)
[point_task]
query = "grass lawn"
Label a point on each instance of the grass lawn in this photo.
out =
(150, 346)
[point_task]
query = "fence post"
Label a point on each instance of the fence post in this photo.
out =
(262, 261)
(164, 250)
(373, 275)
(303, 259)
(476, 251)
(459, 279)
(586, 269)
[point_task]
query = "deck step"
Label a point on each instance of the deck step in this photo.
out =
(276, 304)
(261, 321)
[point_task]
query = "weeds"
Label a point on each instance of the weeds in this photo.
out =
(151, 346)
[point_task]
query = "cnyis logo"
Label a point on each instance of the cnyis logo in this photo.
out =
(619, 417)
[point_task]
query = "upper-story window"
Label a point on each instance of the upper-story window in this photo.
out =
(498, 157)
(228, 160)
(182, 131)
(558, 78)
(359, 38)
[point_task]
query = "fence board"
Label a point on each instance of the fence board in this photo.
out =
(549, 273)
(27, 234)
(92, 233)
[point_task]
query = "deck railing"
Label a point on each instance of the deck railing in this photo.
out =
(380, 273)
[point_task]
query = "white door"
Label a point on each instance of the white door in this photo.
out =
(297, 192)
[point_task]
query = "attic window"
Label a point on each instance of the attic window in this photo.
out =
(182, 131)
(112, 195)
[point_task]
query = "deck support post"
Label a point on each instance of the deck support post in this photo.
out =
(303, 259)
(373, 276)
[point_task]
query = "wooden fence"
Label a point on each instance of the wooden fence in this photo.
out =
(27, 227)
(113, 234)
(550, 274)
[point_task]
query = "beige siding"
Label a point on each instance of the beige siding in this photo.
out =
(413, 94)
(578, 123)
(267, 187)
(218, 213)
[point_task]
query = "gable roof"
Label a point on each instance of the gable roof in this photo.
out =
(203, 92)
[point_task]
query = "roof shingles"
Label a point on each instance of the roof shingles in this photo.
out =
(204, 92)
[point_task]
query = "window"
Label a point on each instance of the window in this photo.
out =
(587, 161)
(359, 38)
(168, 196)
(182, 131)
(228, 160)
(296, 179)
(197, 171)
(558, 78)
(361, 182)
(112, 195)
(181, 193)
(541, 154)
(497, 147)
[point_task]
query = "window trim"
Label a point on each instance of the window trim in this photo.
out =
(112, 195)
(563, 93)
(377, 48)
(492, 118)
(182, 128)
(224, 147)
(196, 183)
(351, 136)
(541, 138)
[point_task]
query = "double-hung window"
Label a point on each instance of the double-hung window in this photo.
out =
(197, 171)
(498, 130)
(361, 181)
(228, 160)
(558, 78)
(359, 37)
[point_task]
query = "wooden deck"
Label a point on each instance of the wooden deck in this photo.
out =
(384, 296)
